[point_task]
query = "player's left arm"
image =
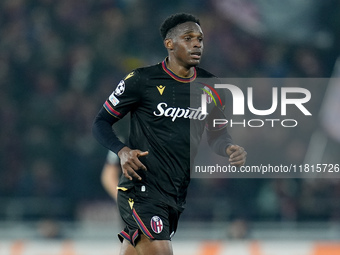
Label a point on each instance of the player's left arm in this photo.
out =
(220, 140)
(221, 143)
(237, 155)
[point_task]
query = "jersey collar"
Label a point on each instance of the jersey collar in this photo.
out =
(177, 77)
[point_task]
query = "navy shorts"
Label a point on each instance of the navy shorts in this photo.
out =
(143, 215)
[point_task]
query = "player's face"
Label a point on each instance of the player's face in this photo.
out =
(187, 44)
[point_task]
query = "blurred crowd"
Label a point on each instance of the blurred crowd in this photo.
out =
(59, 60)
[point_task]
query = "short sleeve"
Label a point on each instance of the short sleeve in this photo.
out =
(125, 97)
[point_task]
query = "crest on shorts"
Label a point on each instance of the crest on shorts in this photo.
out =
(156, 224)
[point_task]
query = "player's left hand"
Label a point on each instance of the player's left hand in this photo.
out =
(237, 155)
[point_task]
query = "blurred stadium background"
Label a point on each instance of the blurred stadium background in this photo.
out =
(59, 60)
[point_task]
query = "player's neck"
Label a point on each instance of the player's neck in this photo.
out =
(178, 68)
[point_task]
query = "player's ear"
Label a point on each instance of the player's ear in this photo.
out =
(169, 44)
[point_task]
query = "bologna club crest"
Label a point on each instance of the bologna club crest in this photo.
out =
(156, 224)
(208, 91)
(208, 94)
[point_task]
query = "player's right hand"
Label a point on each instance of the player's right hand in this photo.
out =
(130, 163)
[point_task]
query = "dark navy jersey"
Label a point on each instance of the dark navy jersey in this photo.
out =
(168, 122)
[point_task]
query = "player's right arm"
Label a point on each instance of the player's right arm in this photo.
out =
(123, 99)
(130, 163)
(102, 131)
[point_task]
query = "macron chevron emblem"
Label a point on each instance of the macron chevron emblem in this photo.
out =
(161, 89)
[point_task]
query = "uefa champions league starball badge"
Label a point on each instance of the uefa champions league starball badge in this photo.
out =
(120, 88)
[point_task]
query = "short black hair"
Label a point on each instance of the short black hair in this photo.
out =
(175, 20)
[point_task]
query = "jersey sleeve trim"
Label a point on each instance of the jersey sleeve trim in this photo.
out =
(111, 111)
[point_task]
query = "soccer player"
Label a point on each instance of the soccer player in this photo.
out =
(162, 142)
